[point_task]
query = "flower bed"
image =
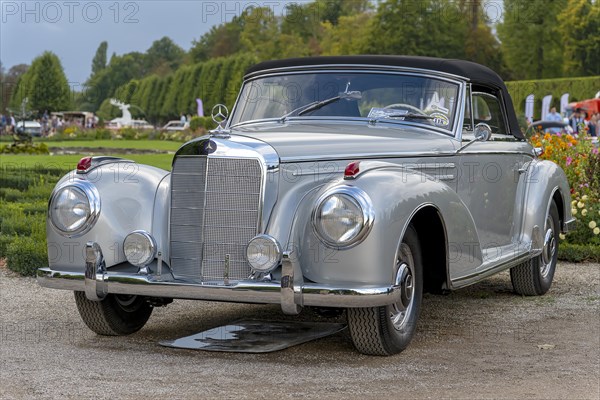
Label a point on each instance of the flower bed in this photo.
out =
(580, 159)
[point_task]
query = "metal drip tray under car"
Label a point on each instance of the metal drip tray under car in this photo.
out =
(255, 336)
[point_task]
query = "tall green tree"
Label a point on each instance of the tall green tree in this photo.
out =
(530, 38)
(435, 28)
(579, 26)
(163, 57)
(99, 60)
(221, 41)
(119, 71)
(9, 82)
(44, 84)
(261, 33)
(481, 45)
(347, 37)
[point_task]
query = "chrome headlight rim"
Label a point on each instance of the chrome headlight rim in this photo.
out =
(362, 200)
(93, 197)
(276, 248)
(152, 245)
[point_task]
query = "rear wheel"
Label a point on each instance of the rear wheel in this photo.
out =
(534, 277)
(389, 329)
(114, 315)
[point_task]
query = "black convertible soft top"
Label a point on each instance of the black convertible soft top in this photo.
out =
(476, 73)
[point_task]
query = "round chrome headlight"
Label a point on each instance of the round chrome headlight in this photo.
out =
(263, 253)
(74, 207)
(343, 216)
(139, 248)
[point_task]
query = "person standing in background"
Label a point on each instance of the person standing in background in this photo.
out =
(593, 125)
(577, 121)
(13, 124)
(555, 117)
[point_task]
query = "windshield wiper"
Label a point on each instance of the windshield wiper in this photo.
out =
(315, 105)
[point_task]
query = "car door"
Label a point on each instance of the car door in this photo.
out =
(491, 181)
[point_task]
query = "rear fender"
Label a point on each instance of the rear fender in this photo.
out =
(545, 179)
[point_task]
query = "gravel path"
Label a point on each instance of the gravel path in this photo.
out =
(478, 343)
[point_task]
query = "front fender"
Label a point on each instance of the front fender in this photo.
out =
(128, 193)
(397, 194)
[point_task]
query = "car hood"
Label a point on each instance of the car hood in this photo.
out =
(328, 141)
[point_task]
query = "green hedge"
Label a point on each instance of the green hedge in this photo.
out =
(26, 254)
(161, 99)
(23, 204)
(578, 89)
(579, 252)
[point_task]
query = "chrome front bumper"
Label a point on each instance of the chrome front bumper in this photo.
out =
(291, 292)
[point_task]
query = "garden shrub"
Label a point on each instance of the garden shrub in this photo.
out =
(25, 148)
(579, 252)
(36, 207)
(580, 160)
(128, 133)
(5, 240)
(10, 194)
(102, 134)
(202, 123)
(25, 254)
(20, 223)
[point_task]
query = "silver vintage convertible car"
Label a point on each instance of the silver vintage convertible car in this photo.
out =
(354, 183)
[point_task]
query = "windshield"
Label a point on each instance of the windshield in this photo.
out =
(397, 98)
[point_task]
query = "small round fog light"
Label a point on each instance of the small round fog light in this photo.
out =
(139, 248)
(263, 253)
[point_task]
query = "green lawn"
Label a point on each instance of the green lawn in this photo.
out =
(162, 145)
(68, 162)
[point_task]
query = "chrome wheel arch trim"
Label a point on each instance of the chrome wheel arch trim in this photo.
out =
(442, 220)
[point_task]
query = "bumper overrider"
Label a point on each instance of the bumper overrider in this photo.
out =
(291, 292)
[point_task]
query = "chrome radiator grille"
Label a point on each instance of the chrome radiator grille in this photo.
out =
(215, 205)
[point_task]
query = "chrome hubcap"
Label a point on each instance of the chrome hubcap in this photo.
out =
(400, 312)
(549, 248)
(127, 302)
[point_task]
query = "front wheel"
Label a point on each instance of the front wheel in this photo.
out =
(534, 277)
(389, 329)
(115, 315)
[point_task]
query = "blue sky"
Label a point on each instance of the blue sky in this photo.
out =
(74, 29)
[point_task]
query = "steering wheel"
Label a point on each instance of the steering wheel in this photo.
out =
(407, 107)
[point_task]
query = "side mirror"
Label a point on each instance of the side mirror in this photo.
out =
(483, 132)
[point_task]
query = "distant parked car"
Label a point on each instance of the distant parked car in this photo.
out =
(141, 124)
(32, 128)
(175, 125)
(543, 125)
(136, 124)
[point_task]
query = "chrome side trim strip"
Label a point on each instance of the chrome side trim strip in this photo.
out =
(312, 294)
(342, 157)
(476, 277)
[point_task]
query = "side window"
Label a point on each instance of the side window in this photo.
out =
(487, 110)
